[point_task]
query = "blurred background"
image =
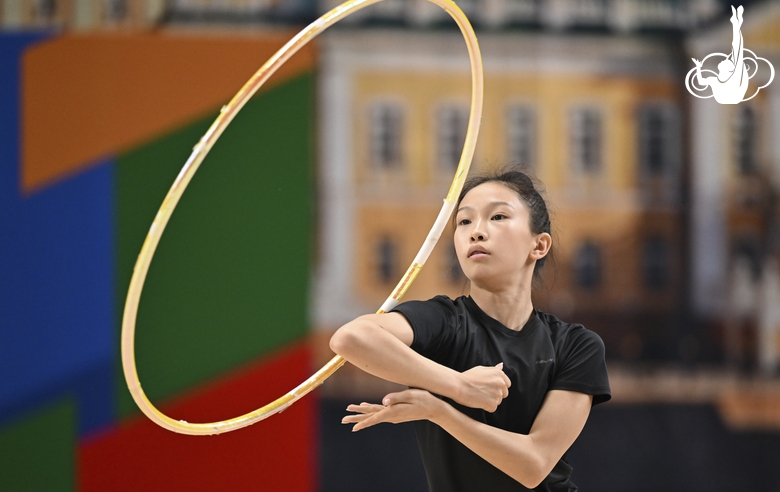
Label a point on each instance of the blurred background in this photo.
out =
(316, 199)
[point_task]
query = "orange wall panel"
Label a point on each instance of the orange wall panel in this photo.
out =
(88, 95)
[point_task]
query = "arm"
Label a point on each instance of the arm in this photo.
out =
(526, 458)
(736, 35)
(380, 345)
(702, 81)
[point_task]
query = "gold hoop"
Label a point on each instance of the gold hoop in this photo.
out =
(199, 153)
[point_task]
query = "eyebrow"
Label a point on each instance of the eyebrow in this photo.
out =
(491, 204)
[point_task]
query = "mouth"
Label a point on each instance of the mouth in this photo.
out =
(477, 252)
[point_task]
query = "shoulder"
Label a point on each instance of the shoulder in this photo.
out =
(434, 323)
(566, 336)
(581, 363)
(441, 304)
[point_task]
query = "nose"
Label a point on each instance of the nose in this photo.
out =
(477, 234)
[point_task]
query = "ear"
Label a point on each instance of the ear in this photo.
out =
(541, 246)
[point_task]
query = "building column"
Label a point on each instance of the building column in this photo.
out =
(709, 248)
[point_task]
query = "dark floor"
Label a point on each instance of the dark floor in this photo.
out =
(623, 448)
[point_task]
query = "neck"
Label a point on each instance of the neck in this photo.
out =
(511, 306)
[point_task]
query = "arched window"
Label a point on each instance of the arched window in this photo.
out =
(588, 266)
(45, 10)
(747, 246)
(655, 263)
(386, 136)
(116, 10)
(386, 260)
(521, 135)
(586, 137)
(659, 139)
(452, 121)
(745, 140)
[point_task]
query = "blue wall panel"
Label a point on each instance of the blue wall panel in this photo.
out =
(56, 274)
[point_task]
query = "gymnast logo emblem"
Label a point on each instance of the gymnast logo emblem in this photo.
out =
(730, 83)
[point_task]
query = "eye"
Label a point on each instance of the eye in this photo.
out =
(464, 222)
(498, 217)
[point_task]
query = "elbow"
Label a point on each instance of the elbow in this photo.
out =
(340, 341)
(537, 471)
(346, 340)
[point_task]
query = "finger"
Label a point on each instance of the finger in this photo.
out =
(374, 419)
(507, 381)
(351, 419)
(404, 396)
(500, 365)
(363, 407)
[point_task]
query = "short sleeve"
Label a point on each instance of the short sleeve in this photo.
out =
(433, 323)
(582, 366)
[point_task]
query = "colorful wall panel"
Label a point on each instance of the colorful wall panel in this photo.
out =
(93, 130)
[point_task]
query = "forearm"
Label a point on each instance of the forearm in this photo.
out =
(699, 78)
(514, 454)
(376, 351)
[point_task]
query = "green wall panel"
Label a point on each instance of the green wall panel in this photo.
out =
(37, 453)
(229, 281)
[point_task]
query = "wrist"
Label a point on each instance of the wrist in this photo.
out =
(439, 412)
(459, 389)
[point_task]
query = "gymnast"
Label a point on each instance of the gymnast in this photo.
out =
(498, 390)
(730, 85)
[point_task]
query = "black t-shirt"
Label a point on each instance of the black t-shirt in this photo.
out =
(546, 354)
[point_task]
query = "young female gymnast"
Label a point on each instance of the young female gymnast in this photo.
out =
(515, 385)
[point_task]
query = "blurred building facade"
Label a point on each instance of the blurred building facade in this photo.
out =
(735, 178)
(80, 14)
(598, 123)
(664, 205)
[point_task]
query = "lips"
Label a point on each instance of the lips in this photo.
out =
(477, 250)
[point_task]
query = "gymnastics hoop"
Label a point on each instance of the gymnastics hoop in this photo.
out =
(199, 153)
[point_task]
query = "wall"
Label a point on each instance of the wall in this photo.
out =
(94, 129)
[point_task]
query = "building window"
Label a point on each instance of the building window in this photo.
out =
(386, 136)
(45, 10)
(116, 10)
(747, 247)
(521, 135)
(745, 140)
(587, 266)
(387, 260)
(452, 122)
(586, 137)
(655, 263)
(659, 134)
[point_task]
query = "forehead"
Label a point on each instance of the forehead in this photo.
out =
(488, 193)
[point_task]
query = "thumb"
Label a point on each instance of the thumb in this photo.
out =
(500, 365)
(390, 399)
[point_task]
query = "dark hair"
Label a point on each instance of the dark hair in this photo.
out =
(521, 183)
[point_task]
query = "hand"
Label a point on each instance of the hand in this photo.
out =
(736, 15)
(404, 406)
(484, 387)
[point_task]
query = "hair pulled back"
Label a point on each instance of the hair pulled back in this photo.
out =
(521, 183)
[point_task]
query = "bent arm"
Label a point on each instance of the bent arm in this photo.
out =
(529, 459)
(379, 344)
